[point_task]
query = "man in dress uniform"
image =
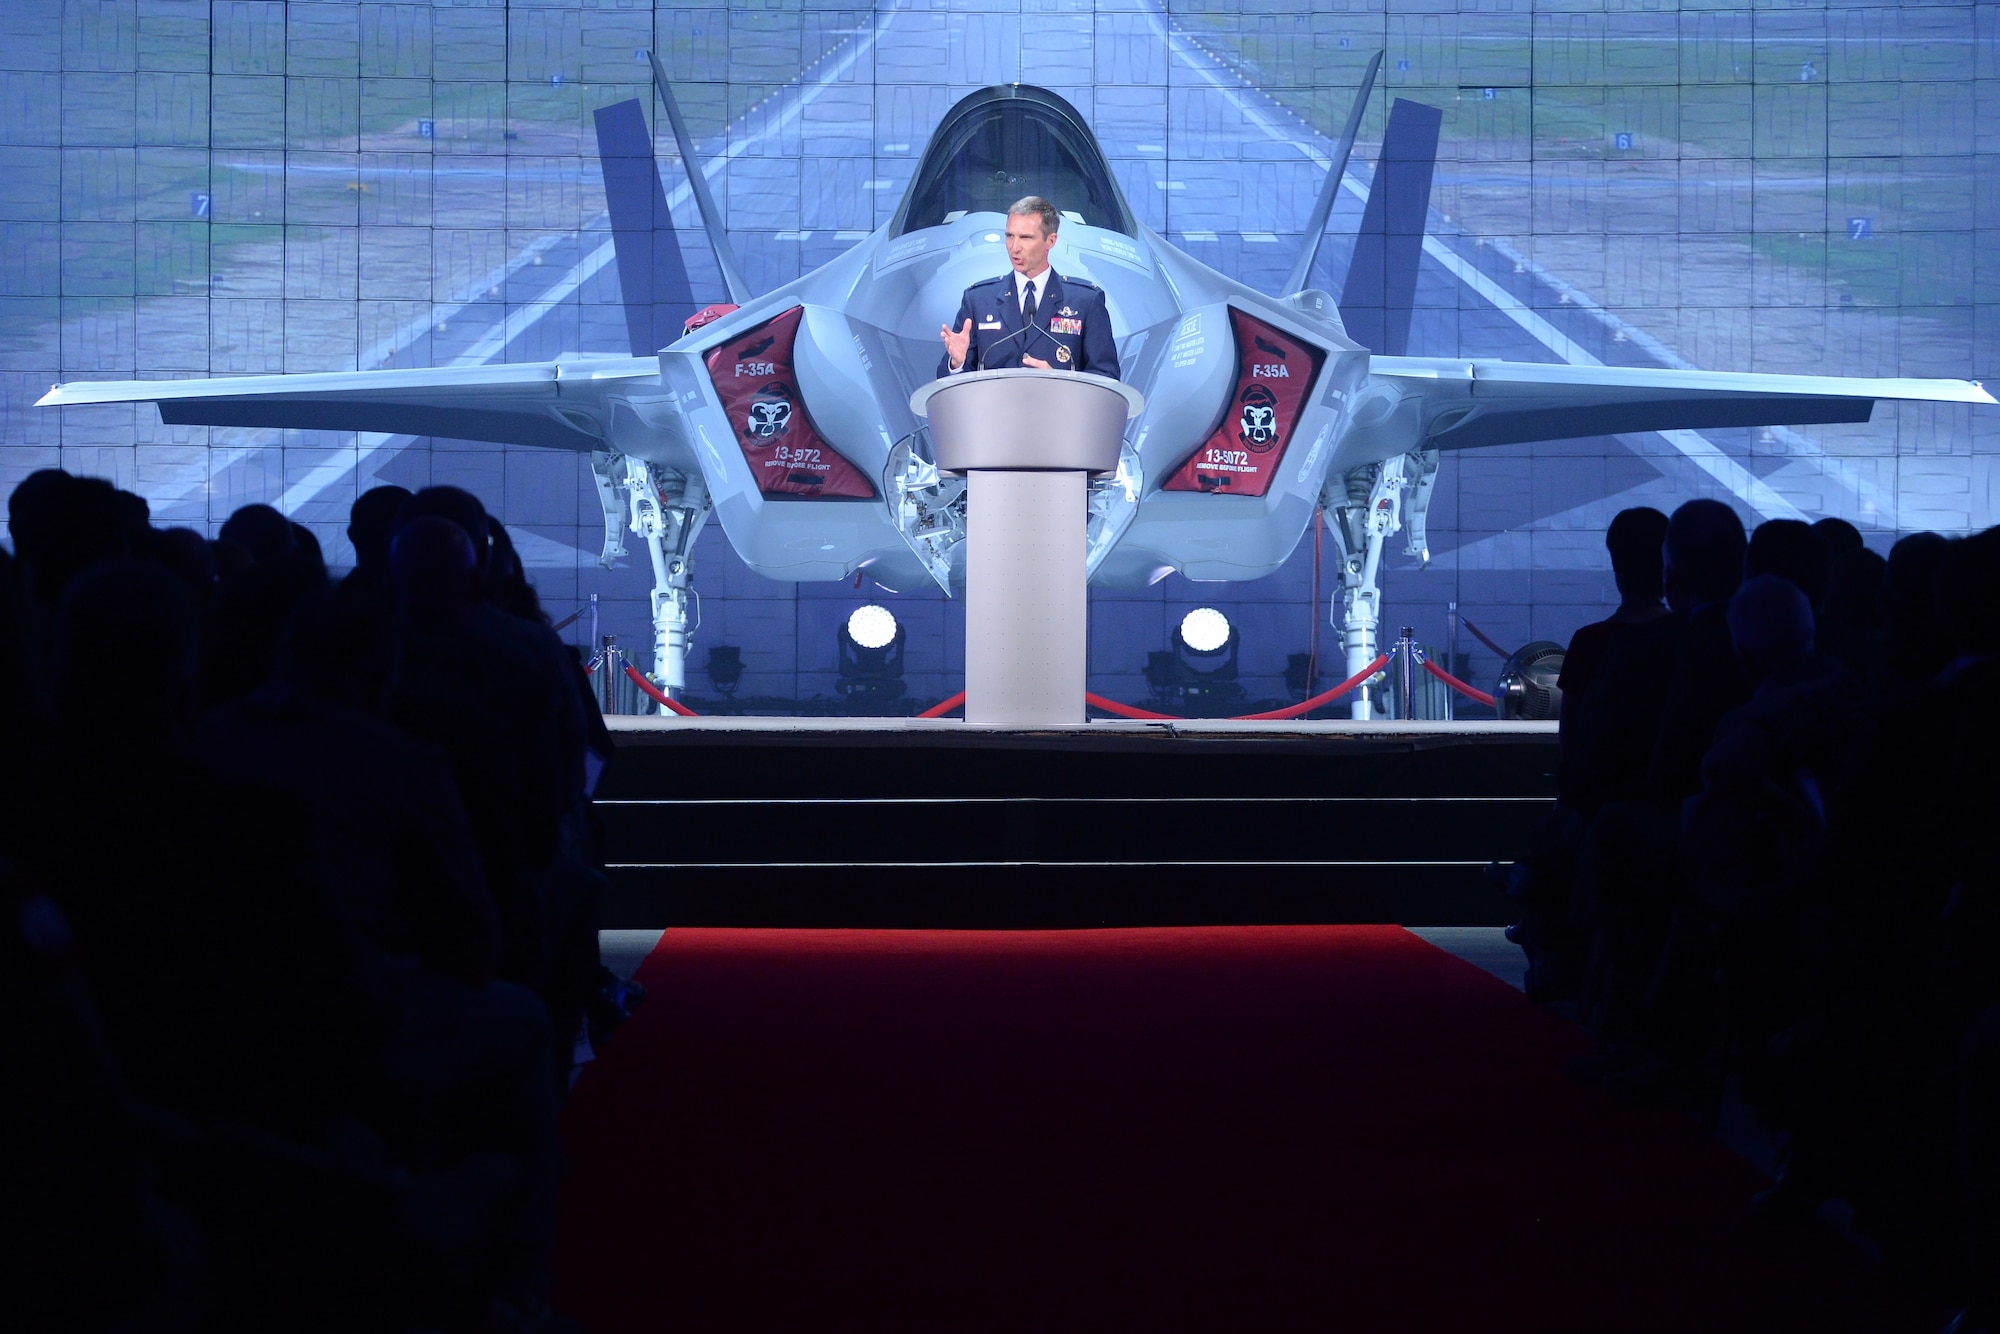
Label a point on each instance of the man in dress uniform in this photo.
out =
(1033, 316)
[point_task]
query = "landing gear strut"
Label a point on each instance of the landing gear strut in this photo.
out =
(1368, 506)
(667, 508)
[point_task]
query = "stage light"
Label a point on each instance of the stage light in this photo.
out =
(1197, 675)
(1528, 683)
(725, 668)
(871, 659)
(1205, 630)
(872, 626)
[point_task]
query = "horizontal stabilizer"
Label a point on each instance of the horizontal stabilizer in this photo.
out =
(544, 403)
(1470, 404)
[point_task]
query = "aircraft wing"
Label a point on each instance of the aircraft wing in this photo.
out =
(555, 404)
(1465, 404)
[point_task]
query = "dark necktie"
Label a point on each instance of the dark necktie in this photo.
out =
(1028, 306)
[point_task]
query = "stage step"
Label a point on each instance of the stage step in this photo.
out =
(889, 824)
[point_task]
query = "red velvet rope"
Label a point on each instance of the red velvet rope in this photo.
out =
(1324, 697)
(942, 707)
(1480, 635)
(673, 705)
(1298, 710)
(1126, 710)
(1456, 684)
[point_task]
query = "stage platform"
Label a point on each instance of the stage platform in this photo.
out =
(914, 822)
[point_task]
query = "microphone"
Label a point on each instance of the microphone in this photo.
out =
(1026, 328)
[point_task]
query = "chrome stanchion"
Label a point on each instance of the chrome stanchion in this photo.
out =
(1406, 674)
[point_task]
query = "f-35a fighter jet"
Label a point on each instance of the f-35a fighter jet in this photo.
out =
(787, 413)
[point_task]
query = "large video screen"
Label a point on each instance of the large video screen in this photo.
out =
(212, 187)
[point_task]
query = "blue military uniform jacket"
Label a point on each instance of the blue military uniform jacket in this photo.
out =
(1072, 329)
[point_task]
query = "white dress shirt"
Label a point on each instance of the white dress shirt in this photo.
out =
(1040, 282)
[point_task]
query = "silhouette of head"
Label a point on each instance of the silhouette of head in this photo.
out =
(1840, 536)
(1634, 539)
(306, 551)
(341, 646)
(61, 525)
(262, 532)
(1771, 624)
(30, 506)
(435, 570)
(1968, 581)
(1704, 554)
(458, 506)
(1794, 550)
(1922, 645)
(188, 554)
(124, 653)
(371, 524)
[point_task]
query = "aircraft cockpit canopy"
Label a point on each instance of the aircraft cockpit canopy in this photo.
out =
(1002, 143)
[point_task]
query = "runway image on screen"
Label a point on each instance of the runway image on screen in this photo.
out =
(240, 187)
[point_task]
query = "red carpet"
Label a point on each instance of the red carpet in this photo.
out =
(1243, 1128)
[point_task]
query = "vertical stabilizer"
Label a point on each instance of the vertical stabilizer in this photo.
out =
(704, 201)
(1382, 280)
(652, 278)
(1323, 206)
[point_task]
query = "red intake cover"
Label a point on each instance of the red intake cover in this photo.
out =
(752, 374)
(1274, 373)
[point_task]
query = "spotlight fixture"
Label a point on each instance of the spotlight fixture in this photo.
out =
(1527, 687)
(871, 659)
(1197, 676)
(873, 626)
(1206, 630)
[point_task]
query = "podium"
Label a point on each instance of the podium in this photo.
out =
(1027, 441)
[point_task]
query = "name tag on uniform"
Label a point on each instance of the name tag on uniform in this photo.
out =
(989, 323)
(1062, 326)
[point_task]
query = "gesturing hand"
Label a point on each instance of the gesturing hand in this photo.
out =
(956, 344)
(1035, 363)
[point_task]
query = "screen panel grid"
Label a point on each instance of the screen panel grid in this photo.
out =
(209, 187)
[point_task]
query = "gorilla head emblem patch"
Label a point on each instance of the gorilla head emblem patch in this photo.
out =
(1259, 424)
(770, 411)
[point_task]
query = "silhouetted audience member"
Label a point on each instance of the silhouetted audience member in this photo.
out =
(262, 533)
(1704, 549)
(306, 550)
(1854, 615)
(387, 826)
(1794, 550)
(255, 602)
(61, 525)
(507, 585)
(189, 555)
(1755, 832)
(312, 1106)
(78, 1181)
(1544, 880)
(371, 526)
(1660, 695)
(471, 689)
(1921, 643)
(465, 657)
(1841, 537)
(1638, 568)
